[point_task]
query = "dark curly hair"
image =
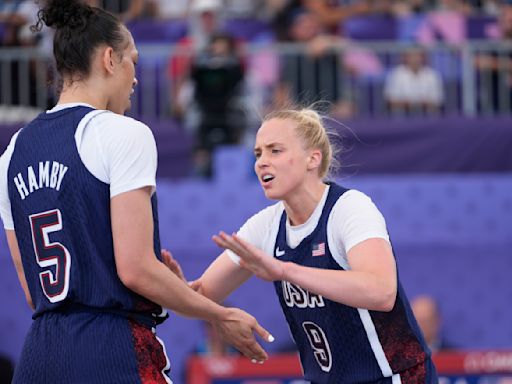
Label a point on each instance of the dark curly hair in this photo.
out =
(79, 30)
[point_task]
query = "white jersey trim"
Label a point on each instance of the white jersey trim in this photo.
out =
(5, 203)
(373, 338)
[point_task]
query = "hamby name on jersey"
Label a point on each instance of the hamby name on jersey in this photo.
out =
(45, 175)
(295, 296)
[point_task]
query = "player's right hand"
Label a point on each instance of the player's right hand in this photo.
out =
(238, 328)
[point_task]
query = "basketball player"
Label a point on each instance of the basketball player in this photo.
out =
(78, 206)
(327, 251)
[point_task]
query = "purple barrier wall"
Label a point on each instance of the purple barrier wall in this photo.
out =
(452, 236)
(450, 144)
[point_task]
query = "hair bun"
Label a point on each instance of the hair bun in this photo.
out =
(70, 14)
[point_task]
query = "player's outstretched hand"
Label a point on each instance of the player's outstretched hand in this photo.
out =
(252, 258)
(238, 329)
(172, 264)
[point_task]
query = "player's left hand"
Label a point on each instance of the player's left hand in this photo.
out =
(252, 258)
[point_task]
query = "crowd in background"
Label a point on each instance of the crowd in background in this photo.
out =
(224, 74)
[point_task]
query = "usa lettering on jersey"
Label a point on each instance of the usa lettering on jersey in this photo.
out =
(295, 296)
(47, 176)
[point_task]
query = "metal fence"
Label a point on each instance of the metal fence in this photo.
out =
(358, 77)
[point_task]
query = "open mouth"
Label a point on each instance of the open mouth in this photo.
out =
(267, 177)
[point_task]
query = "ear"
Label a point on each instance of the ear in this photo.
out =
(108, 60)
(314, 159)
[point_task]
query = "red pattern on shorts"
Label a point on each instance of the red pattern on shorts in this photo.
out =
(401, 347)
(415, 375)
(150, 354)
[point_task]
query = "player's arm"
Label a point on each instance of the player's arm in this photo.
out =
(221, 278)
(140, 270)
(12, 241)
(370, 284)
(137, 266)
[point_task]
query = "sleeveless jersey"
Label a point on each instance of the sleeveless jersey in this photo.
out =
(338, 343)
(61, 215)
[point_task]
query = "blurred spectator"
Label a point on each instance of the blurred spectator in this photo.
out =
(17, 17)
(27, 77)
(427, 314)
(494, 66)
(217, 77)
(329, 16)
(204, 19)
(446, 23)
(245, 9)
(410, 15)
(404, 8)
(314, 75)
(6, 370)
(486, 7)
(126, 10)
(414, 87)
(168, 10)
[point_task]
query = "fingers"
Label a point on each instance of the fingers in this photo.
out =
(226, 241)
(252, 349)
(195, 285)
(257, 353)
(234, 243)
(166, 257)
(263, 333)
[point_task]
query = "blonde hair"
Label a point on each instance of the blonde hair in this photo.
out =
(311, 130)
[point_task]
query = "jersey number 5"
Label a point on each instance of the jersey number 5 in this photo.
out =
(320, 345)
(53, 258)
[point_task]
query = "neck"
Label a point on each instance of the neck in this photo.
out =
(301, 205)
(81, 92)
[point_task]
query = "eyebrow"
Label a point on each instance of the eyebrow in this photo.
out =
(271, 145)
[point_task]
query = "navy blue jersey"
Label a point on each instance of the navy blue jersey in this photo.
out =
(338, 343)
(61, 216)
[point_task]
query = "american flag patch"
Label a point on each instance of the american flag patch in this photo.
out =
(318, 249)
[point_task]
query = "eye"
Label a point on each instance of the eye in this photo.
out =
(257, 155)
(276, 150)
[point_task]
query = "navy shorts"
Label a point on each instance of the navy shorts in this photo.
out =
(87, 347)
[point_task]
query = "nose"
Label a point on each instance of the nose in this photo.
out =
(261, 162)
(135, 82)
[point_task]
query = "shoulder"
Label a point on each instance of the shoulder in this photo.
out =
(400, 70)
(353, 200)
(119, 123)
(355, 218)
(118, 130)
(260, 228)
(267, 215)
(355, 207)
(6, 156)
(430, 73)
